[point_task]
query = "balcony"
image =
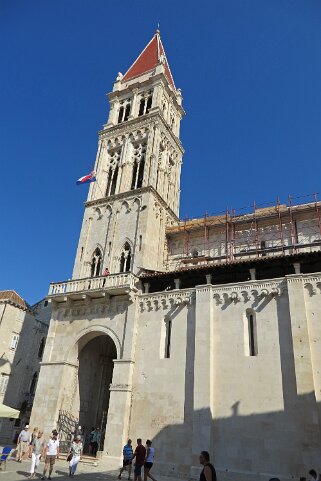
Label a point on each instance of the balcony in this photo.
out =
(93, 287)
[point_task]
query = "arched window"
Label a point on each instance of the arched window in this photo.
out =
(113, 170)
(194, 253)
(138, 166)
(145, 103)
(263, 247)
(96, 263)
(33, 384)
(41, 347)
(124, 111)
(125, 258)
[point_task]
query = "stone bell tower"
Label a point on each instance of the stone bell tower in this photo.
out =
(138, 168)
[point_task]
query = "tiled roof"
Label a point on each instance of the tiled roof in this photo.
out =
(13, 297)
(150, 57)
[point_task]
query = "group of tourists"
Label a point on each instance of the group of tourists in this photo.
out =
(34, 445)
(144, 457)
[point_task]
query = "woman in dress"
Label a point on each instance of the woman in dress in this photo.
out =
(76, 449)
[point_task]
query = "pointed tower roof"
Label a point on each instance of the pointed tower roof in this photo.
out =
(152, 55)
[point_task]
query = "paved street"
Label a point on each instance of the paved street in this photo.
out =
(20, 471)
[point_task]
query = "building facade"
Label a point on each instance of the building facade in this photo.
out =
(23, 333)
(202, 334)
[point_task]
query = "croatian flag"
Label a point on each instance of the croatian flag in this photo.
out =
(87, 178)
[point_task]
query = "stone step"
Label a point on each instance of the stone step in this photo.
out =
(85, 459)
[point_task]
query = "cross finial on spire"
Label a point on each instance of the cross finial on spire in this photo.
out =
(158, 29)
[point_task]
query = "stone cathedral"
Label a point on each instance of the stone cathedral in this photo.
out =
(202, 334)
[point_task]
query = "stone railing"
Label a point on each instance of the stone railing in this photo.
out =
(113, 281)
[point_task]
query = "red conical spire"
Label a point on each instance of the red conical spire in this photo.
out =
(152, 55)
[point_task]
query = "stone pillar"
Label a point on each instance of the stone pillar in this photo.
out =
(208, 278)
(203, 375)
(56, 390)
(117, 429)
(134, 109)
(177, 283)
(297, 267)
(146, 287)
(307, 422)
(112, 120)
(253, 274)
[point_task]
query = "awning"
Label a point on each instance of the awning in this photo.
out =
(7, 412)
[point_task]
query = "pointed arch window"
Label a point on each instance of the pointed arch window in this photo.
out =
(145, 103)
(96, 263)
(113, 171)
(125, 258)
(138, 166)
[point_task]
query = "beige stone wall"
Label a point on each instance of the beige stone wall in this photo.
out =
(116, 221)
(20, 361)
(258, 415)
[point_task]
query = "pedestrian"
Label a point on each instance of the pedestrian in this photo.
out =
(23, 443)
(149, 460)
(314, 475)
(95, 436)
(37, 446)
(127, 458)
(91, 441)
(106, 272)
(139, 455)
(208, 472)
(76, 450)
(51, 452)
(33, 436)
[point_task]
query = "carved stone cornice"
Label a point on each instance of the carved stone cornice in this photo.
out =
(131, 195)
(165, 300)
(143, 122)
(244, 292)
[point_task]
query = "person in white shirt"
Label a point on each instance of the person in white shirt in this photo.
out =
(149, 461)
(51, 453)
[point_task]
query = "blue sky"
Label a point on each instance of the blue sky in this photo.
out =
(250, 72)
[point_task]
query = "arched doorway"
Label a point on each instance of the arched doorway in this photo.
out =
(96, 355)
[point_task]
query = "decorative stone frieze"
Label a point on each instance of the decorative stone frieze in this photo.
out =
(165, 301)
(255, 292)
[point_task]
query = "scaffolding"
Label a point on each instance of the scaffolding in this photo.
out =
(255, 231)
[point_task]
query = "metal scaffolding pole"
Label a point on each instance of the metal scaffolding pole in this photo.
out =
(281, 225)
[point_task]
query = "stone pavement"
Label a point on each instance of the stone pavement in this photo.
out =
(20, 471)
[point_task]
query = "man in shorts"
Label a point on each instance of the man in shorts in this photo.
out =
(51, 453)
(127, 458)
(139, 455)
(24, 440)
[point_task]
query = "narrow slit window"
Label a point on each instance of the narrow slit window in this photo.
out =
(140, 242)
(252, 334)
(168, 339)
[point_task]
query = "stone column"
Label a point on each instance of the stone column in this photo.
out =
(303, 407)
(117, 429)
(134, 109)
(203, 375)
(114, 107)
